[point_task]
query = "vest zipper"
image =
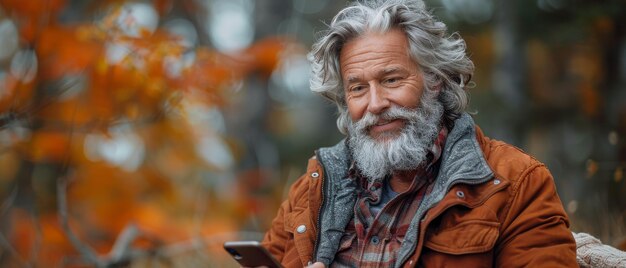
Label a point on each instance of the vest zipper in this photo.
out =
(318, 224)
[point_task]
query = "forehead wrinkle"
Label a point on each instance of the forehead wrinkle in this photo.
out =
(360, 65)
(379, 60)
(353, 78)
(357, 54)
(379, 72)
(389, 70)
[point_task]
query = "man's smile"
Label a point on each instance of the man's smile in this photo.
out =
(384, 126)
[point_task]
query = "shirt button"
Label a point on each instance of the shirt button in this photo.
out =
(496, 181)
(315, 174)
(460, 194)
(301, 229)
(375, 240)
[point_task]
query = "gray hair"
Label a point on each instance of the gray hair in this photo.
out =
(441, 58)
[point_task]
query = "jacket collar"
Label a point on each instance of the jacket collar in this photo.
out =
(462, 162)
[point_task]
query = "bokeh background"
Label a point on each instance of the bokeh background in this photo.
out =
(147, 133)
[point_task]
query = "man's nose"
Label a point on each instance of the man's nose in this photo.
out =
(378, 101)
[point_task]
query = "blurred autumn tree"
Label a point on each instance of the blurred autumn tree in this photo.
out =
(111, 136)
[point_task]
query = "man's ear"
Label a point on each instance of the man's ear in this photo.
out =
(464, 80)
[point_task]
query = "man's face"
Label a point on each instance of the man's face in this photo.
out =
(378, 73)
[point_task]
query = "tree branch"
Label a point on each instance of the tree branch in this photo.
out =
(84, 250)
(4, 242)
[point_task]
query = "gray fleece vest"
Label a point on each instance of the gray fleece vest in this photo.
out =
(462, 161)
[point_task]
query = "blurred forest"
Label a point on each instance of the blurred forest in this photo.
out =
(147, 133)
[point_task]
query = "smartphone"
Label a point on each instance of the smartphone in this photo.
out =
(251, 254)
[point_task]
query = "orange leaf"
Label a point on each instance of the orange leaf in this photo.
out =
(54, 244)
(162, 6)
(49, 146)
(266, 54)
(22, 236)
(62, 51)
(33, 15)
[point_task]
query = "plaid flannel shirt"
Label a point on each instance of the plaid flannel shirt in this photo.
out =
(375, 234)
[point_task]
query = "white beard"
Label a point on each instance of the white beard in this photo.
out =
(377, 159)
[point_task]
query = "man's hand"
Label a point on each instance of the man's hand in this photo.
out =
(316, 265)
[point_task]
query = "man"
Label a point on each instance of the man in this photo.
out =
(415, 183)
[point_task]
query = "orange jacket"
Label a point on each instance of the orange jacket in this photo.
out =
(511, 218)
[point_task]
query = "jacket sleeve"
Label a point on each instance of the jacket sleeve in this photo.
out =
(276, 239)
(535, 231)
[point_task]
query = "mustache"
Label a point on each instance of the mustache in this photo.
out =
(393, 113)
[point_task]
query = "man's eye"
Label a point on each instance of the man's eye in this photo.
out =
(356, 88)
(392, 80)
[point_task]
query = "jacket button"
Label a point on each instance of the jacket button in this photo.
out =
(460, 194)
(301, 229)
(375, 240)
(496, 181)
(315, 174)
